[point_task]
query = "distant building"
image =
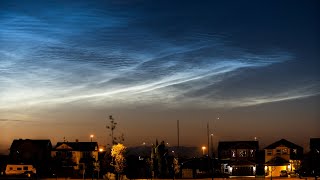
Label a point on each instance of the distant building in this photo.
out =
(238, 158)
(3, 163)
(78, 157)
(31, 151)
(282, 155)
(314, 155)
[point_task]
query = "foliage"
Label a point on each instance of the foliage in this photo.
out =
(117, 153)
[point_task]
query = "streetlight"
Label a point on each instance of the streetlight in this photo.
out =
(91, 136)
(203, 149)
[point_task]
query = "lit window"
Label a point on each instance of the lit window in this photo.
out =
(285, 151)
(269, 152)
(251, 153)
(233, 153)
(295, 151)
(242, 153)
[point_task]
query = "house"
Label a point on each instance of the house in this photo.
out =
(3, 163)
(315, 154)
(282, 155)
(238, 158)
(33, 152)
(76, 156)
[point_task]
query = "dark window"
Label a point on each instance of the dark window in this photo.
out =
(68, 154)
(81, 167)
(86, 154)
(25, 168)
(19, 168)
(278, 151)
(11, 168)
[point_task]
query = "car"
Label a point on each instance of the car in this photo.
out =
(283, 173)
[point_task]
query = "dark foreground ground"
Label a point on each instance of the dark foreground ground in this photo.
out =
(237, 178)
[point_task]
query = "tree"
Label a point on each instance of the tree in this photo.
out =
(117, 153)
(112, 127)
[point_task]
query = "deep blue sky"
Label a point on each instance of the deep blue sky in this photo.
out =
(67, 65)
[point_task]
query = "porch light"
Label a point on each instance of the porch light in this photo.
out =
(230, 169)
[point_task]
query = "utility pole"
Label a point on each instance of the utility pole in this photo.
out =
(208, 138)
(178, 134)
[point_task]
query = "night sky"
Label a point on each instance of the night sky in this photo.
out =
(248, 68)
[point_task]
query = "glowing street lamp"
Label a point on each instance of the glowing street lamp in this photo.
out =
(91, 136)
(203, 149)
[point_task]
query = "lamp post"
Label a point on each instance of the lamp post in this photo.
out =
(211, 145)
(203, 149)
(145, 152)
(91, 136)
(212, 157)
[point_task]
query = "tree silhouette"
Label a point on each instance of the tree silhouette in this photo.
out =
(112, 127)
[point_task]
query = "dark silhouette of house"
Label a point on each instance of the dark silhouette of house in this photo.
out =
(315, 155)
(238, 158)
(75, 158)
(3, 163)
(310, 165)
(31, 151)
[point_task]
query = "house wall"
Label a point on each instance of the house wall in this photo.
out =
(281, 151)
(275, 170)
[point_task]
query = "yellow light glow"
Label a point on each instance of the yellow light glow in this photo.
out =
(91, 135)
(101, 149)
(203, 147)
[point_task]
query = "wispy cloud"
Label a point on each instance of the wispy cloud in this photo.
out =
(91, 56)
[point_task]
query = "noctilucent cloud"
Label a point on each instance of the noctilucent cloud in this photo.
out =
(167, 54)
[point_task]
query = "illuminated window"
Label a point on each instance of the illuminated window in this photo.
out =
(295, 151)
(269, 152)
(233, 153)
(285, 151)
(251, 153)
(242, 153)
